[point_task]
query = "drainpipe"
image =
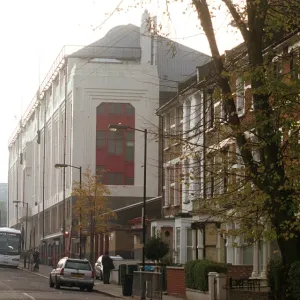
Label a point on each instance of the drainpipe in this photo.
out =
(44, 168)
(64, 159)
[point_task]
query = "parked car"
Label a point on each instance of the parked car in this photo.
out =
(74, 273)
(99, 266)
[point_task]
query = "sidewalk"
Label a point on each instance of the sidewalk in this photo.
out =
(112, 290)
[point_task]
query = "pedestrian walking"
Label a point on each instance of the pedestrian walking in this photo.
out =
(31, 259)
(108, 265)
(36, 260)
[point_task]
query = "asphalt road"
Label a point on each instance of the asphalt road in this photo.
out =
(17, 284)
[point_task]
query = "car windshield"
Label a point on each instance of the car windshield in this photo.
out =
(9, 243)
(78, 265)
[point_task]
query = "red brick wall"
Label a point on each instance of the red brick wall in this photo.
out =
(239, 271)
(176, 281)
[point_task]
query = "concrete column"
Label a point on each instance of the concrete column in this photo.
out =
(211, 285)
(263, 274)
(218, 247)
(194, 243)
(221, 287)
(183, 243)
(229, 246)
(255, 260)
(200, 245)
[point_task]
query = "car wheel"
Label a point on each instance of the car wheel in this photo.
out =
(57, 284)
(82, 288)
(90, 288)
(51, 284)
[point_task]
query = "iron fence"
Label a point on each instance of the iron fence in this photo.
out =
(244, 284)
(147, 285)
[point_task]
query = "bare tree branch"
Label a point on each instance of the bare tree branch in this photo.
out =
(238, 20)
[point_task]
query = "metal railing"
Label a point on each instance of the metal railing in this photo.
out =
(147, 285)
(244, 284)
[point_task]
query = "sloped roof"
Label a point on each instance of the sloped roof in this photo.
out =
(127, 36)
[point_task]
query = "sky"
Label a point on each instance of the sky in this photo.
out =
(33, 32)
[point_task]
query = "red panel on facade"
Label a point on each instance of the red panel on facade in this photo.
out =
(115, 150)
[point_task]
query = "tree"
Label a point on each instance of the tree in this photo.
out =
(258, 21)
(91, 207)
(156, 248)
(274, 178)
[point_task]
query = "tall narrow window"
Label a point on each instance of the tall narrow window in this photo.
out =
(129, 146)
(129, 109)
(100, 173)
(240, 96)
(115, 143)
(100, 136)
(189, 245)
(178, 244)
(101, 109)
(114, 178)
(209, 110)
(115, 108)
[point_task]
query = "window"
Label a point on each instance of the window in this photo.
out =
(179, 113)
(172, 117)
(101, 109)
(178, 244)
(189, 245)
(115, 142)
(115, 109)
(100, 136)
(210, 183)
(172, 196)
(114, 178)
(225, 163)
(209, 110)
(129, 181)
(167, 123)
(129, 146)
(78, 265)
(240, 96)
(129, 109)
(224, 114)
(129, 135)
(99, 172)
(294, 68)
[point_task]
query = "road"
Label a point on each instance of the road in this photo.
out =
(17, 284)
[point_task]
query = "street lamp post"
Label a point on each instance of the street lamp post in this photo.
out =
(115, 127)
(80, 185)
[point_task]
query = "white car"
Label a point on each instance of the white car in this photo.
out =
(72, 272)
(99, 266)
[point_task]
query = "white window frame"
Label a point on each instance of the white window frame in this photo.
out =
(177, 242)
(240, 96)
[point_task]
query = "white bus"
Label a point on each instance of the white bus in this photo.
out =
(10, 246)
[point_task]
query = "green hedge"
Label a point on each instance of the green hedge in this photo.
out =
(196, 273)
(276, 278)
(294, 280)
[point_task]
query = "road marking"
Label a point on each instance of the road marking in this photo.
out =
(30, 297)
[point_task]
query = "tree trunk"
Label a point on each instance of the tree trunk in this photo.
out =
(92, 245)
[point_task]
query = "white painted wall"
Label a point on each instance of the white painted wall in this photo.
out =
(117, 83)
(92, 84)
